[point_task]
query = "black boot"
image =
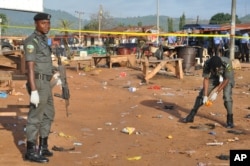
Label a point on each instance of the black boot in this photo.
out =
(32, 155)
(230, 122)
(43, 147)
(190, 117)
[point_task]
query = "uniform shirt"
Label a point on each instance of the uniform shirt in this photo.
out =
(226, 39)
(245, 38)
(217, 40)
(171, 39)
(37, 50)
(226, 71)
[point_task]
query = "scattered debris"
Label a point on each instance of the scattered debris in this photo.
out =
(157, 116)
(207, 126)
(233, 139)
(108, 123)
(128, 130)
(134, 158)
(77, 143)
(160, 101)
(223, 157)
(169, 137)
(214, 143)
(61, 149)
(169, 107)
(236, 132)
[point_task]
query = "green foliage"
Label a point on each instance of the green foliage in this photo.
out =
(182, 21)
(170, 25)
(3, 22)
(222, 18)
(139, 24)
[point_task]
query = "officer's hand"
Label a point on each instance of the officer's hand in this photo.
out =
(214, 96)
(34, 98)
(205, 99)
(220, 79)
(56, 75)
(58, 81)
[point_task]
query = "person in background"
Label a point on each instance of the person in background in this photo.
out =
(226, 44)
(218, 76)
(244, 44)
(171, 40)
(39, 73)
(218, 44)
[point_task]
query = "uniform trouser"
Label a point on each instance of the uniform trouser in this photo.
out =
(227, 96)
(40, 118)
(226, 53)
(244, 52)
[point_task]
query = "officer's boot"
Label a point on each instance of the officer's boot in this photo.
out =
(229, 106)
(190, 117)
(43, 147)
(230, 121)
(32, 155)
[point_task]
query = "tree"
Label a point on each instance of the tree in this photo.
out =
(139, 24)
(4, 22)
(65, 25)
(170, 25)
(222, 18)
(182, 21)
(107, 21)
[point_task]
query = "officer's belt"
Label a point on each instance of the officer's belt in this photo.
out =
(43, 76)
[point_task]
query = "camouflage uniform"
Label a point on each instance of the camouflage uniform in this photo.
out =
(226, 71)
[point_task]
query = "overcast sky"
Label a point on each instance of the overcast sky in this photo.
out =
(205, 9)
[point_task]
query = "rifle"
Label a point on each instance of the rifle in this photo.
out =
(65, 89)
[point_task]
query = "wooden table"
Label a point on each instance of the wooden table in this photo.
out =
(174, 65)
(80, 60)
(97, 59)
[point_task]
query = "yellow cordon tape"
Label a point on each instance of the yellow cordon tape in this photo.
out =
(126, 33)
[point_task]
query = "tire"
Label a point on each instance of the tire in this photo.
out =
(6, 49)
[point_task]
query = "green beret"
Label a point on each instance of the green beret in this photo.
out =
(42, 16)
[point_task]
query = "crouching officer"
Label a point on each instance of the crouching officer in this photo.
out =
(218, 73)
(39, 73)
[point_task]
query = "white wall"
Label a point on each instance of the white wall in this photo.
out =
(22, 5)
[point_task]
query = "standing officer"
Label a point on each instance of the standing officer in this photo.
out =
(244, 47)
(226, 42)
(218, 43)
(218, 74)
(41, 113)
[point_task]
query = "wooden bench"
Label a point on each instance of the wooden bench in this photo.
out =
(117, 59)
(99, 58)
(174, 65)
(81, 60)
(19, 64)
(130, 60)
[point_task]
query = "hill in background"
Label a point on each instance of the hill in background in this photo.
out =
(19, 21)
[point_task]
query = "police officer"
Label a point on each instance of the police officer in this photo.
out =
(218, 43)
(39, 74)
(244, 47)
(218, 76)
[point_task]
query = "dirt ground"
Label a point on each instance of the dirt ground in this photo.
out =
(101, 107)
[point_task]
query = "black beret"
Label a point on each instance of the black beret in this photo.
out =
(42, 16)
(215, 62)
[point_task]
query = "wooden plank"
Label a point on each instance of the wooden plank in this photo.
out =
(156, 70)
(117, 59)
(174, 65)
(8, 114)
